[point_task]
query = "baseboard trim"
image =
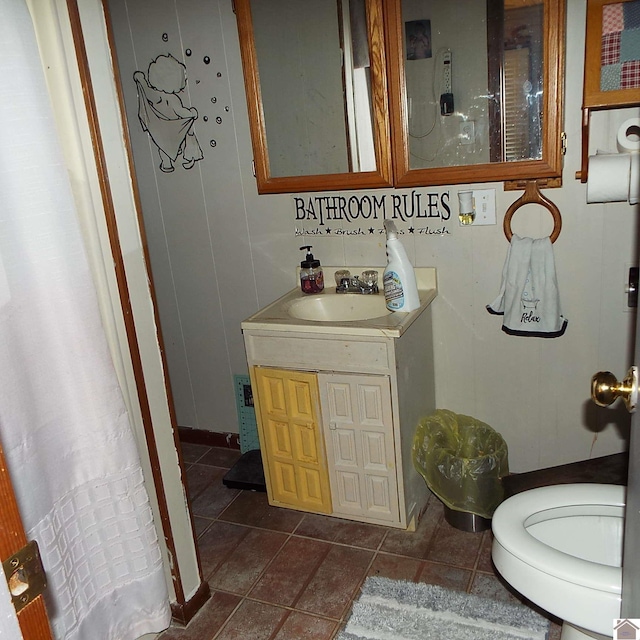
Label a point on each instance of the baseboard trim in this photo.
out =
(611, 469)
(210, 438)
(183, 612)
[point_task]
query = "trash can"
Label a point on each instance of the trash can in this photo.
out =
(463, 461)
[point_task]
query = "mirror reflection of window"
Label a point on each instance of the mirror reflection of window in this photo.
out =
(522, 102)
(516, 79)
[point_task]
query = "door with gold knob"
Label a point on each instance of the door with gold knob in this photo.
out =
(606, 389)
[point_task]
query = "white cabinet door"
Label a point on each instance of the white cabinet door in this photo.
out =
(358, 428)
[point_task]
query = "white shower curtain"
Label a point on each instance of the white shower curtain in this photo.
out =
(63, 423)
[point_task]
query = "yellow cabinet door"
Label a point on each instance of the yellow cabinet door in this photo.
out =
(293, 446)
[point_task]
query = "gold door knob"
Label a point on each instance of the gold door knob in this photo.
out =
(605, 389)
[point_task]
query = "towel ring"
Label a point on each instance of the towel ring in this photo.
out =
(532, 195)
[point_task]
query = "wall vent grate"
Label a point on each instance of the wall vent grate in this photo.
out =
(246, 414)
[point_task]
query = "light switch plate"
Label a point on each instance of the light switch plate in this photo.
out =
(467, 132)
(485, 204)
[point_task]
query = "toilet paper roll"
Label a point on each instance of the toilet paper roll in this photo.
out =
(628, 137)
(634, 179)
(608, 177)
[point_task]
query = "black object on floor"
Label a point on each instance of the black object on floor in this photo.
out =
(247, 473)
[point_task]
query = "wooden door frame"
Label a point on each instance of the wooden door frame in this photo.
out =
(185, 605)
(32, 619)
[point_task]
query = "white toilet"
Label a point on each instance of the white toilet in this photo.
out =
(561, 547)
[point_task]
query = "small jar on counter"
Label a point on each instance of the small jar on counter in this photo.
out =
(311, 275)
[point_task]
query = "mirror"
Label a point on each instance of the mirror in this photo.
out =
(455, 92)
(316, 92)
(476, 90)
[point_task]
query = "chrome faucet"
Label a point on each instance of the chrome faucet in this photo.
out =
(367, 283)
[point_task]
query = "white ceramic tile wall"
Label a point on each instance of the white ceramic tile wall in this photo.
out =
(219, 252)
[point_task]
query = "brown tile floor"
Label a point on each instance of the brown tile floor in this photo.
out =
(278, 574)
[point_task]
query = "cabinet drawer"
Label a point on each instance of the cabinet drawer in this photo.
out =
(311, 353)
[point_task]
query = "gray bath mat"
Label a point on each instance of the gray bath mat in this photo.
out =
(397, 610)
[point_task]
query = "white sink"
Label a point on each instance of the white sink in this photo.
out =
(341, 313)
(338, 307)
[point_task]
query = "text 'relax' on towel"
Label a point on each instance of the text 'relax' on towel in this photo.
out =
(529, 300)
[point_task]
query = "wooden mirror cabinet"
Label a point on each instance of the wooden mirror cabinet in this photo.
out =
(363, 94)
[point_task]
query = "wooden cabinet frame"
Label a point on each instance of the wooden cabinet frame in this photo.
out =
(389, 114)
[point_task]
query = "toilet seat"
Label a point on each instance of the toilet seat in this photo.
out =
(584, 593)
(511, 519)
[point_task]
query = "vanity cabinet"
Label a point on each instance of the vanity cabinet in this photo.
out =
(336, 412)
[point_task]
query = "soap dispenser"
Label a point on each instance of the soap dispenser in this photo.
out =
(311, 276)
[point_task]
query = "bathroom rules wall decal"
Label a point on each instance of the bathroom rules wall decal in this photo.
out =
(414, 212)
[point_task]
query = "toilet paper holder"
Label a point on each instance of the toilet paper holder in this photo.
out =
(626, 141)
(533, 195)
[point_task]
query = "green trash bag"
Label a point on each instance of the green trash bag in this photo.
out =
(462, 461)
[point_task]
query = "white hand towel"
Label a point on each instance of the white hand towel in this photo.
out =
(529, 299)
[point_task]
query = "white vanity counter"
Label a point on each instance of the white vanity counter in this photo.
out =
(279, 315)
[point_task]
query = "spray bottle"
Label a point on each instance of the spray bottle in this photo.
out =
(400, 288)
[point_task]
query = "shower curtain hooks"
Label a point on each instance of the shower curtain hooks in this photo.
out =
(532, 195)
